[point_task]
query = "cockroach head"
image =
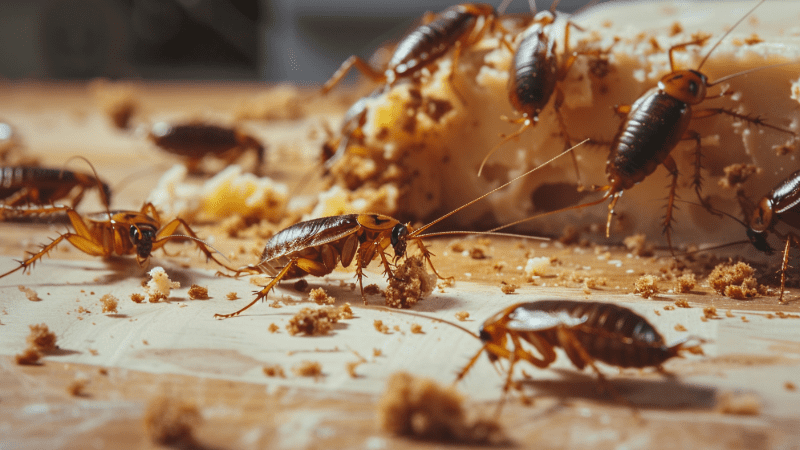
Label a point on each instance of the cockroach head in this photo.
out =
(142, 238)
(399, 234)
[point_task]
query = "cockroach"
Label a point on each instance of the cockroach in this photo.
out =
(111, 232)
(451, 28)
(586, 331)
(654, 125)
(315, 247)
(23, 185)
(353, 120)
(195, 140)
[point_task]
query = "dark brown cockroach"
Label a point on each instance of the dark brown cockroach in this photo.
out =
(23, 185)
(353, 120)
(317, 246)
(654, 125)
(586, 331)
(197, 139)
(536, 74)
(451, 28)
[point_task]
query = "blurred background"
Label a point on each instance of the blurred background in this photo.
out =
(244, 40)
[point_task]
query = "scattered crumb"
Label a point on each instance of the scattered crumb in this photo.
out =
(144, 341)
(345, 312)
(416, 328)
(685, 283)
(158, 288)
(710, 312)
(728, 313)
(376, 352)
(320, 297)
(170, 421)
(735, 281)
(658, 313)
(462, 315)
(396, 328)
(379, 326)
(82, 310)
(372, 289)
(477, 252)
(638, 245)
(420, 407)
(30, 293)
(789, 386)
(102, 371)
(682, 303)
(300, 285)
(646, 286)
(274, 371)
(352, 365)
(676, 28)
(232, 296)
(744, 319)
(41, 338)
(29, 357)
(679, 327)
(93, 352)
(784, 315)
(137, 298)
(273, 328)
(313, 322)
(537, 266)
(197, 292)
(669, 308)
(737, 174)
(594, 282)
(506, 288)
(308, 369)
(77, 386)
(109, 303)
(741, 404)
(410, 284)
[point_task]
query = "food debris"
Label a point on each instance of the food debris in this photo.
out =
(537, 266)
(273, 328)
(462, 315)
(737, 174)
(410, 284)
(682, 303)
(789, 386)
(158, 288)
(274, 371)
(313, 322)
(646, 286)
(300, 285)
(741, 404)
(320, 297)
(735, 281)
(685, 283)
(679, 327)
(376, 352)
(30, 293)
(41, 338)
(637, 244)
(506, 288)
(710, 312)
(379, 326)
(416, 328)
(197, 292)
(669, 308)
(477, 252)
(232, 296)
(77, 387)
(109, 303)
(372, 289)
(170, 421)
(420, 407)
(308, 369)
(137, 298)
(29, 357)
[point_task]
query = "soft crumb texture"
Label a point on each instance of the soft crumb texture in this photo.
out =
(41, 338)
(416, 328)
(313, 322)
(462, 315)
(376, 352)
(77, 388)
(169, 421)
(320, 297)
(679, 327)
(739, 404)
(410, 284)
(159, 287)
(789, 386)
(197, 292)
(30, 293)
(638, 245)
(308, 369)
(345, 312)
(109, 303)
(273, 328)
(506, 288)
(137, 298)
(419, 407)
(646, 286)
(735, 281)
(737, 174)
(537, 266)
(379, 326)
(710, 312)
(372, 289)
(274, 370)
(232, 296)
(682, 303)
(685, 283)
(29, 357)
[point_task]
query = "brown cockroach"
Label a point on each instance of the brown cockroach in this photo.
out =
(315, 247)
(110, 232)
(353, 120)
(586, 331)
(654, 125)
(451, 28)
(195, 140)
(22, 185)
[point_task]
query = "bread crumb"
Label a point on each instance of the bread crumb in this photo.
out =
(197, 292)
(416, 328)
(477, 252)
(232, 296)
(376, 352)
(29, 357)
(30, 293)
(308, 369)
(313, 322)
(372, 289)
(646, 286)
(637, 244)
(710, 312)
(537, 266)
(410, 284)
(682, 303)
(273, 328)
(170, 421)
(789, 386)
(462, 315)
(669, 308)
(420, 407)
(109, 303)
(274, 370)
(737, 174)
(159, 287)
(784, 315)
(102, 371)
(345, 312)
(728, 313)
(658, 313)
(679, 327)
(78, 385)
(41, 338)
(351, 367)
(735, 281)
(137, 298)
(379, 326)
(739, 404)
(506, 288)
(685, 283)
(93, 352)
(320, 297)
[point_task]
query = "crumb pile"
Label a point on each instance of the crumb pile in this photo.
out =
(735, 281)
(197, 292)
(41, 340)
(313, 322)
(411, 283)
(646, 286)
(159, 287)
(109, 303)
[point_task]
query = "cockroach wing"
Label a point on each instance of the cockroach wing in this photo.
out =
(524, 319)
